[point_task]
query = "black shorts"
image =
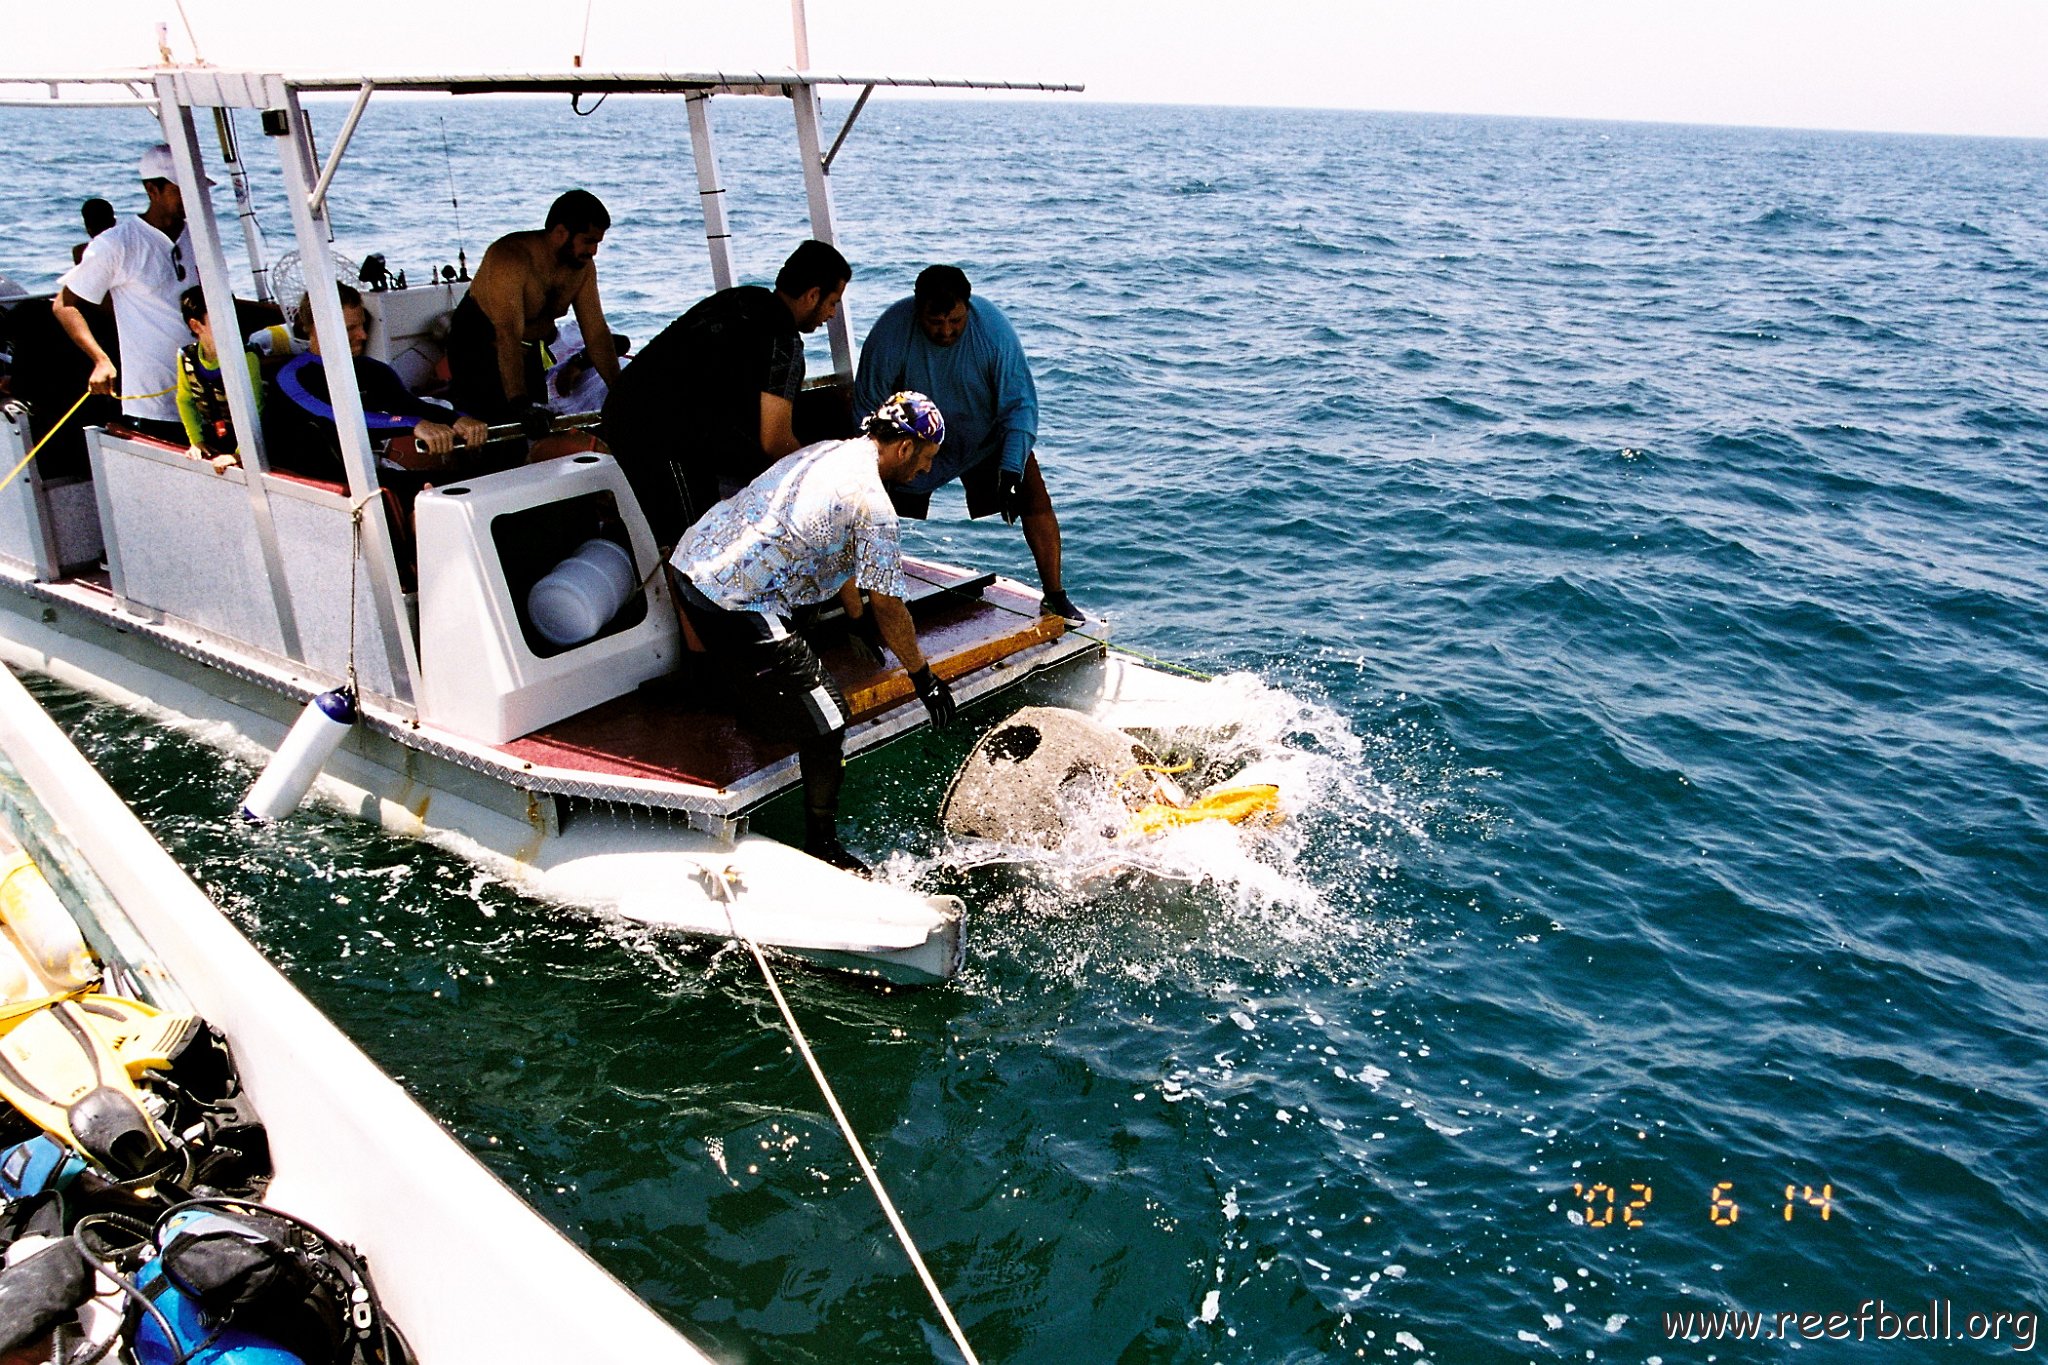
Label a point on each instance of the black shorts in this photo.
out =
(979, 483)
(475, 385)
(782, 688)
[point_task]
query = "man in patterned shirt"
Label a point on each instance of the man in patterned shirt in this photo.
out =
(815, 524)
(711, 401)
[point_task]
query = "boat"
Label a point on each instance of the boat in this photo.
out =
(94, 914)
(579, 773)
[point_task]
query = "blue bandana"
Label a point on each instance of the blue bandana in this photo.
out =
(913, 414)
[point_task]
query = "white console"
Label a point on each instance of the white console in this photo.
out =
(486, 673)
(409, 330)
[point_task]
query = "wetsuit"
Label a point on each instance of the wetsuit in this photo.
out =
(685, 417)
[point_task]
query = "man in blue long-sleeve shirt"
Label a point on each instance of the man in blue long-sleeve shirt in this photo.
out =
(961, 350)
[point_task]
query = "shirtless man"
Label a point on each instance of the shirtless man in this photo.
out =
(526, 281)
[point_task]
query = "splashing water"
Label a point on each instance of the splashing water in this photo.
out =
(1298, 887)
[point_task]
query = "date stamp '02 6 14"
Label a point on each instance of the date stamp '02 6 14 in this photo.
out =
(1628, 1205)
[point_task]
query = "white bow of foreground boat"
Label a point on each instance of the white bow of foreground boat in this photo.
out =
(464, 1267)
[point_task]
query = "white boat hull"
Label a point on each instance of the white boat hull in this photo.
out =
(647, 865)
(465, 1268)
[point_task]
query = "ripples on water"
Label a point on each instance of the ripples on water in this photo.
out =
(1643, 527)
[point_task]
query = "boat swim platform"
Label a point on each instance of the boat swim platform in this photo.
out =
(669, 745)
(670, 733)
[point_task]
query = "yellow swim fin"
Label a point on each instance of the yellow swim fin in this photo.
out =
(58, 1070)
(143, 1037)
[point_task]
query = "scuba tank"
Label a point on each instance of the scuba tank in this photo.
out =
(195, 1340)
(48, 936)
(211, 1271)
(241, 1284)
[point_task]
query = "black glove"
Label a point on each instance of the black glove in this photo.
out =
(936, 696)
(1010, 494)
(536, 421)
(864, 635)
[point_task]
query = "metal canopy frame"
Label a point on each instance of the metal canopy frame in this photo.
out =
(175, 93)
(141, 83)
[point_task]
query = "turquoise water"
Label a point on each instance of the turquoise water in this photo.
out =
(1639, 530)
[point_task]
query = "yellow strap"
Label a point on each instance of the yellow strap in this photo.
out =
(21, 1009)
(1237, 805)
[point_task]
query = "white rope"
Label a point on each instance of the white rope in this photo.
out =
(355, 560)
(721, 883)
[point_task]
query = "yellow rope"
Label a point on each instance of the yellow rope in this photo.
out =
(59, 426)
(1152, 659)
(22, 1009)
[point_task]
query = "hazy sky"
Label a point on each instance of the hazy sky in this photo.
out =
(1964, 66)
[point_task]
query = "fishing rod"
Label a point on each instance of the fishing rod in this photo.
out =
(455, 203)
(405, 449)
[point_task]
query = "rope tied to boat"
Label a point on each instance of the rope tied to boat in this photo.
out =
(355, 560)
(58, 426)
(722, 884)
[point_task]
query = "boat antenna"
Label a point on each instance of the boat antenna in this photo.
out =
(198, 59)
(455, 203)
(577, 60)
(802, 33)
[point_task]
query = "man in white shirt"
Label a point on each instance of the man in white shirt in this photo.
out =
(814, 524)
(141, 264)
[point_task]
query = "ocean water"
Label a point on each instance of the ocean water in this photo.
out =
(1637, 535)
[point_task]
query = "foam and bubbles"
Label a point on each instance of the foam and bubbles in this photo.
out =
(1302, 887)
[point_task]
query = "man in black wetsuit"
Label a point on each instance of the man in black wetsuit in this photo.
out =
(711, 402)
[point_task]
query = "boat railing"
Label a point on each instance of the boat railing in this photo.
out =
(47, 524)
(188, 545)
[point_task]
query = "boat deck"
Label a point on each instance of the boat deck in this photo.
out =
(678, 730)
(674, 743)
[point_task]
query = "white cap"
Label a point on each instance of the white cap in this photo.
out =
(157, 165)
